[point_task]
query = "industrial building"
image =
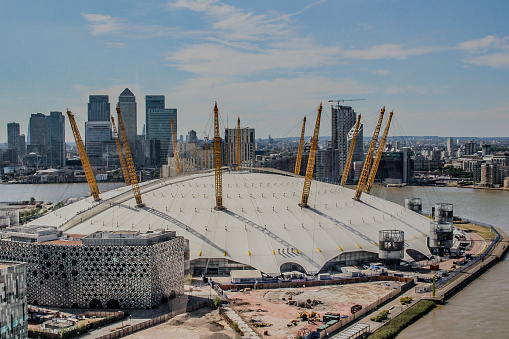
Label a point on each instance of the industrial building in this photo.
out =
(262, 225)
(13, 300)
(120, 269)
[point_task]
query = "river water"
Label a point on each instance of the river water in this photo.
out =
(480, 310)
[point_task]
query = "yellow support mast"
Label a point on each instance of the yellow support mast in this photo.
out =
(176, 155)
(311, 161)
(348, 163)
(217, 162)
(381, 147)
(369, 158)
(238, 150)
(84, 158)
(129, 158)
(301, 148)
(121, 156)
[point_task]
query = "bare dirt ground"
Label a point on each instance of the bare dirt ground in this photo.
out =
(268, 306)
(204, 323)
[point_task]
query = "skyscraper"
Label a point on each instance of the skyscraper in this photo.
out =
(13, 141)
(37, 131)
(98, 108)
(343, 119)
(55, 139)
(152, 102)
(127, 104)
(159, 131)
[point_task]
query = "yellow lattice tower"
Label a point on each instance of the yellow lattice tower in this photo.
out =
(311, 161)
(217, 162)
(348, 163)
(238, 150)
(121, 156)
(84, 158)
(301, 148)
(381, 147)
(369, 158)
(129, 158)
(176, 155)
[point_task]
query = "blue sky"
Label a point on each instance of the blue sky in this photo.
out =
(443, 66)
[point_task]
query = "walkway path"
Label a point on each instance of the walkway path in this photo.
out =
(248, 331)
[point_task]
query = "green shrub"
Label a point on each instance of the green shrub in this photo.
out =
(188, 280)
(217, 301)
(397, 324)
(236, 327)
(381, 316)
(405, 300)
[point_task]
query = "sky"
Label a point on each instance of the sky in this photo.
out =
(442, 66)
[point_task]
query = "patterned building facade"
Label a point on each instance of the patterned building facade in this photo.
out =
(13, 300)
(103, 270)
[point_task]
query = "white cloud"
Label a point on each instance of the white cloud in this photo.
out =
(105, 24)
(489, 51)
(483, 44)
(387, 51)
(116, 44)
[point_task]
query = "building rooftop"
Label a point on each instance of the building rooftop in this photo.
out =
(262, 225)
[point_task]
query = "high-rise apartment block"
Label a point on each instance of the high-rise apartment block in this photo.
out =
(343, 120)
(13, 300)
(127, 105)
(98, 108)
(15, 142)
(55, 140)
(152, 102)
(247, 146)
(37, 134)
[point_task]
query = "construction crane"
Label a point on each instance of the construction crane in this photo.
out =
(217, 162)
(129, 158)
(343, 100)
(121, 156)
(348, 163)
(369, 158)
(176, 155)
(84, 158)
(238, 150)
(381, 147)
(301, 148)
(311, 161)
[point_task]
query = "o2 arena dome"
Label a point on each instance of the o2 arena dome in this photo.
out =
(263, 227)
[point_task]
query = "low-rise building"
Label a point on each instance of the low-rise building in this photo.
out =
(121, 269)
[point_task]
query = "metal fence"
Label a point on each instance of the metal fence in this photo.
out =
(471, 262)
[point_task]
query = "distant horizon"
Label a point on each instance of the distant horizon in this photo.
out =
(441, 65)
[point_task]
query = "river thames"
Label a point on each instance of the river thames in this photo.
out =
(478, 311)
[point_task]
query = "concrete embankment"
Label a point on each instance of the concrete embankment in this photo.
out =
(494, 255)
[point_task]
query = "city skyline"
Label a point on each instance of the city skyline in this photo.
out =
(442, 66)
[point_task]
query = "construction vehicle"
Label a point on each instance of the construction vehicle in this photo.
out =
(355, 308)
(129, 159)
(176, 155)
(348, 163)
(369, 158)
(301, 148)
(89, 174)
(311, 161)
(378, 157)
(218, 174)
(121, 155)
